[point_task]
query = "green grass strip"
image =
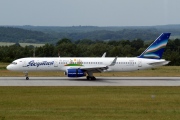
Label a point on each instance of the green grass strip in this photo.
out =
(89, 103)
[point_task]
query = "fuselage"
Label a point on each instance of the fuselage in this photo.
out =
(62, 64)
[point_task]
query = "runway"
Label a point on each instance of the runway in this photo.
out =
(101, 81)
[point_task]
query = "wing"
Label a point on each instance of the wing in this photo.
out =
(98, 68)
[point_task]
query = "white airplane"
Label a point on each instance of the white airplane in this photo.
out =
(80, 66)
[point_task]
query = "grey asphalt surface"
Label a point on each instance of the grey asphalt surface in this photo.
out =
(101, 81)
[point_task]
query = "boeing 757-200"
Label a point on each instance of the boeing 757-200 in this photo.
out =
(86, 66)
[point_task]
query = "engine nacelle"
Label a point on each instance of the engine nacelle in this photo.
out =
(75, 73)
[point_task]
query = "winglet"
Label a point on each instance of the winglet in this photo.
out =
(114, 61)
(104, 55)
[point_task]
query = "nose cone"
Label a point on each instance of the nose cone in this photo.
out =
(9, 67)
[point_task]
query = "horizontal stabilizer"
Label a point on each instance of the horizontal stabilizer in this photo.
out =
(159, 63)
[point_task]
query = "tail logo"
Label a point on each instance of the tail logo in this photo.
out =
(156, 49)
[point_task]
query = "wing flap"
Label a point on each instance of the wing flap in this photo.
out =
(94, 68)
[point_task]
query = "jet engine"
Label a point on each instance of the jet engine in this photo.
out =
(75, 73)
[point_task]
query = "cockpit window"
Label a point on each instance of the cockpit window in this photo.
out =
(14, 63)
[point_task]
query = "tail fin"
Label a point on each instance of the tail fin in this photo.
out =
(156, 49)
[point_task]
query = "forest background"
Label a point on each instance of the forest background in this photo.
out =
(85, 41)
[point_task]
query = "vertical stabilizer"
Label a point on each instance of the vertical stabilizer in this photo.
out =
(156, 49)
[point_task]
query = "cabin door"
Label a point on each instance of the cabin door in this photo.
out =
(24, 63)
(55, 63)
(139, 63)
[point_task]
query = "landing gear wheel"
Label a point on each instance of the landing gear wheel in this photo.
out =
(27, 78)
(91, 78)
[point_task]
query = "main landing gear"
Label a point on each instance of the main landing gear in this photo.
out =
(26, 75)
(90, 76)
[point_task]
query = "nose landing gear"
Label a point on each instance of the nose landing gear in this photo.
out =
(26, 75)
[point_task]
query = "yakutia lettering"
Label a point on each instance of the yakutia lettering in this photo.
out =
(32, 63)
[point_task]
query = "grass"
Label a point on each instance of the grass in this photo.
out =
(164, 71)
(89, 103)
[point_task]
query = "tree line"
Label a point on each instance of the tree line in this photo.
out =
(10, 34)
(89, 48)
